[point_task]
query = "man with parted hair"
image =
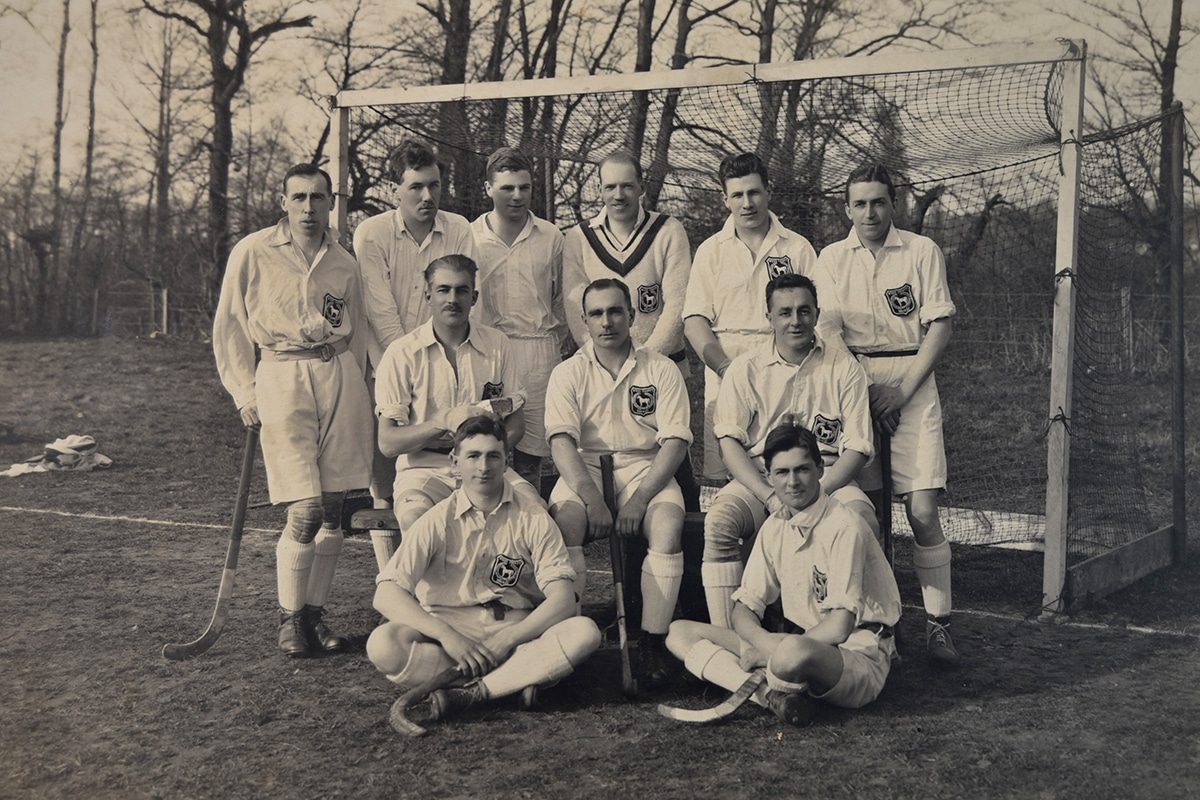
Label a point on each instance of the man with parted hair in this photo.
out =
(799, 377)
(838, 595)
(646, 250)
(885, 294)
(724, 314)
(521, 291)
(393, 249)
(293, 294)
(482, 583)
(614, 397)
(433, 379)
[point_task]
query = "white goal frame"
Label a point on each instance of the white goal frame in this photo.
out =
(1070, 54)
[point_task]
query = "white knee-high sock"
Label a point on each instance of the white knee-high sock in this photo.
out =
(579, 564)
(327, 547)
(384, 543)
(721, 579)
(662, 573)
(293, 564)
(549, 658)
(932, 565)
(713, 663)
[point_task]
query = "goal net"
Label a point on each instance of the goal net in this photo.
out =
(977, 140)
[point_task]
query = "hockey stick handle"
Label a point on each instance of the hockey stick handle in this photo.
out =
(178, 652)
(617, 556)
(884, 440)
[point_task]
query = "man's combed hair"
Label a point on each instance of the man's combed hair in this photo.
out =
(789, 436)
(508, 159)
(608, 283)
(740, 166)
(410, 153)
(872, 173)
(455, 261)
(481, 425)
(791, 280)
(307, 170)
(622, 157)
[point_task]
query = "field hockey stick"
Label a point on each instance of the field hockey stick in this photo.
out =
(398, 716)
(722, 709)
(885, 512)
(617, 556)
(179, 652)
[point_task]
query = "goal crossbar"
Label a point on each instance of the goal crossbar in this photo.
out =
(969, 58)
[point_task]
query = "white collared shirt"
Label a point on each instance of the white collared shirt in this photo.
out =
(521, 287)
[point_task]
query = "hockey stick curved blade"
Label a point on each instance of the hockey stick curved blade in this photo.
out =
(180, 652)
(719, 711)
(398, 716)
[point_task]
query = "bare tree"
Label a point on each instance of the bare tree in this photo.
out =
(231, 39)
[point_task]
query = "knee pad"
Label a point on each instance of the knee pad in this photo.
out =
(303, 520)
(331, 508)
(725, 525)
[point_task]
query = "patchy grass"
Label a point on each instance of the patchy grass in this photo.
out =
(92, 709)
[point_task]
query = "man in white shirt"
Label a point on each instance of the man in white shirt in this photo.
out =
(521, 292)
(725, 314)
(393, 250)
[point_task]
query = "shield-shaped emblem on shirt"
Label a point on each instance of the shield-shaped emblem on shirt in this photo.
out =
(901, 300)
(820, 585)
(826, 430)
(643, 400)
(649, 298)
(779, 265)
(506, 571)
(492, 391)
(334, 309)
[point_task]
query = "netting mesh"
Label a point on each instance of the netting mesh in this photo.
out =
(978, 154)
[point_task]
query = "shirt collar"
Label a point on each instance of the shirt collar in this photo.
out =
(804, 521)
(775, 231)
(601, 219)
(892, 240)
(283, 234)
(769, 353)
(439, 225)
(427, 338)
(463, 504)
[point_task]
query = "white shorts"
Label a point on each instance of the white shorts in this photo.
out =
(478, 622)
(918, 450)
(866, 661)
(316, 426)
(535, 358)
(437, 482)
(628, 472)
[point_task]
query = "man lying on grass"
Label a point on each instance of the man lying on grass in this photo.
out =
(824, 564)
(481, 582)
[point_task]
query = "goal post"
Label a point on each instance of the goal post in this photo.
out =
(1053, 411)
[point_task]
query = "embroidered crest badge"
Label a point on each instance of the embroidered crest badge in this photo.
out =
(493, 391)
(643, 400)
(649, 298)
(334, 309)
(779, 265)
(820, 585)
(901, 300)
(826, 430)
(506, 571)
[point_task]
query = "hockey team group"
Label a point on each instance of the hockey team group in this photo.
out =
(428, 365)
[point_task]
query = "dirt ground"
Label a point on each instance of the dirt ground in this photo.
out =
(99, 570)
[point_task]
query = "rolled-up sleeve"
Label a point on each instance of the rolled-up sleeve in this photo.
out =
(393, 397)
(562, 407)
(936, 303)
(734, 413)
(760, 583)
(674, 411)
